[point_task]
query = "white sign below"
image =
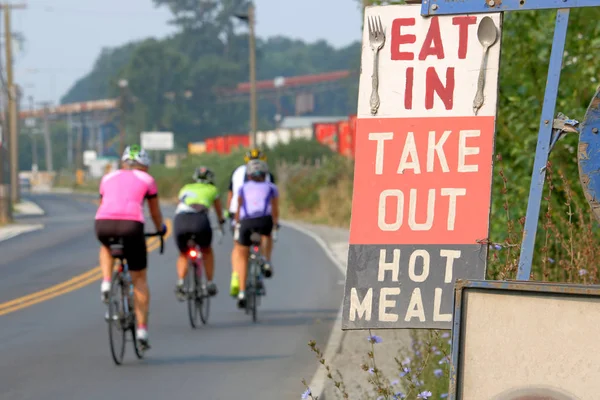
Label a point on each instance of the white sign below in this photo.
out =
(157, 140)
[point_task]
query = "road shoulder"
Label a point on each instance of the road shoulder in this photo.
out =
(346, 351)
(25, 208)
(28, 208)
(13, 230)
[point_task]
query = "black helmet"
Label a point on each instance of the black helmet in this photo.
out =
(204, 175)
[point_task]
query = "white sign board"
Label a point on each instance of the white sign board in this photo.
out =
(423, 171)
(88, 157)
(157, 140)
(526, 341)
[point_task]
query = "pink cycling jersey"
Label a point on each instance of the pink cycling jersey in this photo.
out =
(123, 193)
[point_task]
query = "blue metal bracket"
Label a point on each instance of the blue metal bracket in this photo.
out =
(562, 124)
(587, 154)
(543, 148)
(454, 7)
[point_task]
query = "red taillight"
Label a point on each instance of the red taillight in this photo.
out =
(193, 253)
(256, 249)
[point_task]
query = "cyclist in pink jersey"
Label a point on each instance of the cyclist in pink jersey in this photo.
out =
(121, 215)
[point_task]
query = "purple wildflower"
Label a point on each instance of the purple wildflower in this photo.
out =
(405, 371)
(551, 260)
(399, 396)
(375, 339)
(445, 335)
(395, 382)
(306, 393)
(371, 371)
(583, 272)
(406, 361)
(443, 395)
(438, 373)
(424, 395)
(497, 246)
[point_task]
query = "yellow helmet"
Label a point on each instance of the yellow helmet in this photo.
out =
(254, 154)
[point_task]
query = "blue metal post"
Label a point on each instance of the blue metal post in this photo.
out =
(538, 175)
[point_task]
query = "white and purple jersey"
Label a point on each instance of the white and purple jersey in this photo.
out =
(257, 199)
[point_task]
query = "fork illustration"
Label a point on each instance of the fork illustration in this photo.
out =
(376, 41)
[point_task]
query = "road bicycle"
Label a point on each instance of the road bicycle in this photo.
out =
(195, 282)
(254, 280)
(121, 308)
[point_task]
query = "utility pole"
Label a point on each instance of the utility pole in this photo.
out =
(34, 160)
(70, 140)
(250, 17)
(47, 141)
(12, 104)
(253, 102)
(123, 83)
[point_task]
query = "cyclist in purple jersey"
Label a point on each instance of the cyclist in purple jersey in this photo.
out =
(258, 211)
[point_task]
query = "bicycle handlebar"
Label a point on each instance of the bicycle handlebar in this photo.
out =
(161, 238)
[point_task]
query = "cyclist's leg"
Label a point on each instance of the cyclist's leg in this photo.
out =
(265, 230)
(240, 259)
(105, 229)
(137, 260)
(181, 234)
(204, 235)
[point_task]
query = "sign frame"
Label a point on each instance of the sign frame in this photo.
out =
(547, 129)
(500, 287)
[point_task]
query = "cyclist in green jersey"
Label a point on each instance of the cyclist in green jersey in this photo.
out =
(191, 218)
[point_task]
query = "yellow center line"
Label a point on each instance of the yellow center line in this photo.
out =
(70, 285)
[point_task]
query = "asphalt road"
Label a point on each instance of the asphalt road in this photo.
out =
(58, 349)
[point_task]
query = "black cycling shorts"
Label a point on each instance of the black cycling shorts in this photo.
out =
(134, 241)
(262, 225)
(187, 225)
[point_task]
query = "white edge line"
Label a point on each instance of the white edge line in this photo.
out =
(317, 383)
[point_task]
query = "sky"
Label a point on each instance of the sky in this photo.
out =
(63, 38)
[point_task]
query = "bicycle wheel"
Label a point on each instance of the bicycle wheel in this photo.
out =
(252, 291)
(117, 320)
(191, 291)
(202, 298)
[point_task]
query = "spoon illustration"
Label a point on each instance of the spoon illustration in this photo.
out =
(487, 35)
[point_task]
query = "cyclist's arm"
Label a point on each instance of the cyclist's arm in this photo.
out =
(218, 209)
(230, 191)
(154, 206)
(155, 212)
(240, 202)
(275, 207)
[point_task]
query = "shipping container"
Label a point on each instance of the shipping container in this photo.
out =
(237, 141)
(345, 139)
(221, 145)
(197, 148)
(327, 134)
(211, 145)
(353, 119)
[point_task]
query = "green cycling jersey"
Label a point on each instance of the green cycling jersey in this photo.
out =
(196, 193)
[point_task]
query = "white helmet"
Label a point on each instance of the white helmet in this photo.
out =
(135, 153)
(257, 168)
